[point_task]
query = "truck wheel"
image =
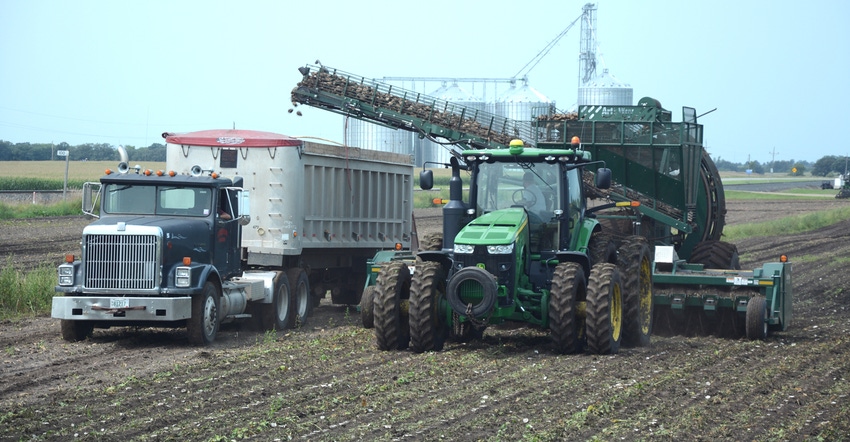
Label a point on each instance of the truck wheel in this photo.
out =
(75, 331)
(635, 268)
(367, 301)
(757, 318)
(568, 288)
(277, 315)
(601, 248)
(428, 328)
(392, 330)
(604, 309)
(301, 304)
(203, 325)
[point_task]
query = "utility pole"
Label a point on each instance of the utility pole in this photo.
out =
(772, 159)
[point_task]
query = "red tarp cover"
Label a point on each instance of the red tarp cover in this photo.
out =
(232, 138)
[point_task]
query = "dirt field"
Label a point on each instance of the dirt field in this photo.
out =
(326, 381)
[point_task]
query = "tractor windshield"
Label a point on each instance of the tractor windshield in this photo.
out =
(533, 186)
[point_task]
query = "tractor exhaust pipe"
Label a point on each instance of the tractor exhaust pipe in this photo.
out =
(454, 211)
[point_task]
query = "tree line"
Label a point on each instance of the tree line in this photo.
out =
(82, 152)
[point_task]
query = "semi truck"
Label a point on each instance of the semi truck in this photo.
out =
(241, 225)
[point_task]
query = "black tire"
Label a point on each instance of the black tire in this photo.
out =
(489, 289)
(711, 218)
(428, 327)
(432, 242)
(202, 327)
(604, 309)
(367, 302)
(301, 301)
(568, 287)
(277, 314)
(602, 248)
(757, 326)
(75, 331)
(392, 330)
(635, 265)
(716, 255)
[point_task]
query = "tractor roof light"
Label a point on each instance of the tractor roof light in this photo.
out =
(783, 258)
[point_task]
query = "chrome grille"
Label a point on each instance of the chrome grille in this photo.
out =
(124, 262)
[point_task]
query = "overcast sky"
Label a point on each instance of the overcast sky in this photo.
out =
(123, 72)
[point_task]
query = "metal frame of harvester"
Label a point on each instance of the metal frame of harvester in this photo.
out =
(666, 194)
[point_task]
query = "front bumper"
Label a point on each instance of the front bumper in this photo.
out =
(90, 308)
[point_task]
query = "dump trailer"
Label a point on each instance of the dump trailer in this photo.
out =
(241, 224)
(543, 256)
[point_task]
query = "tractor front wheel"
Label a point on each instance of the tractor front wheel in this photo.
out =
(604, 309)
(392, 330)
(428, 328)
(202, 327)
(568, 289)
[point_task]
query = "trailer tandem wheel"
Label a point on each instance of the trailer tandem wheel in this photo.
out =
(301, 302)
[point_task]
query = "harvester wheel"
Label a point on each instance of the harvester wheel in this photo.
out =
(602, 248)
(757, 318)
(716, 255)
(604, 309)
(367, 301)
(428, 328)
(635, 267)
(568, 289)
(392, 292)
(75, 331)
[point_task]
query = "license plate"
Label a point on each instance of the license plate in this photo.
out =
(119, 303)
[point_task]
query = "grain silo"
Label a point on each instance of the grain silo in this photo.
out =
(521, 103)
(427, 150)
(605, 89)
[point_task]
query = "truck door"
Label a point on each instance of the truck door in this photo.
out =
(227, 240)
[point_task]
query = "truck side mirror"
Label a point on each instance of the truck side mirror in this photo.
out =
(426, 179)
(91, 199)
(603, 178)
(244, 198)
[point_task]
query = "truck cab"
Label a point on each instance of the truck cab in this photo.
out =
(160, 241)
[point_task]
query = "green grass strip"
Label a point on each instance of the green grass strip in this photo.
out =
(787, 226)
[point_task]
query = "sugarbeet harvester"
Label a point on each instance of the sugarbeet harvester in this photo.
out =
(544, 239)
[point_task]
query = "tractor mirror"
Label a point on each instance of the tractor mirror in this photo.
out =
(426, 179)
(603, 178)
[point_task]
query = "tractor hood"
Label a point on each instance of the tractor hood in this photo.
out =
(494, 228)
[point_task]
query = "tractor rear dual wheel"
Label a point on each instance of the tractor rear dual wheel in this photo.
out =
(635, 267)
(604, 323)
(428, 327)
(392, 294)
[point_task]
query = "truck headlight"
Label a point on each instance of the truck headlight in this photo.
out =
(183, 277)
(66, 274)
(464, 248)
(501, 250)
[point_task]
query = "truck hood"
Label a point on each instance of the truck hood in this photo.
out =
(494, 228)
(182, 236)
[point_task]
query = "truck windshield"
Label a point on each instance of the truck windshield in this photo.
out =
(533, 186)
(156, 200)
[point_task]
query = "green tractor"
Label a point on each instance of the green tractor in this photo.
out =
(524, 248)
